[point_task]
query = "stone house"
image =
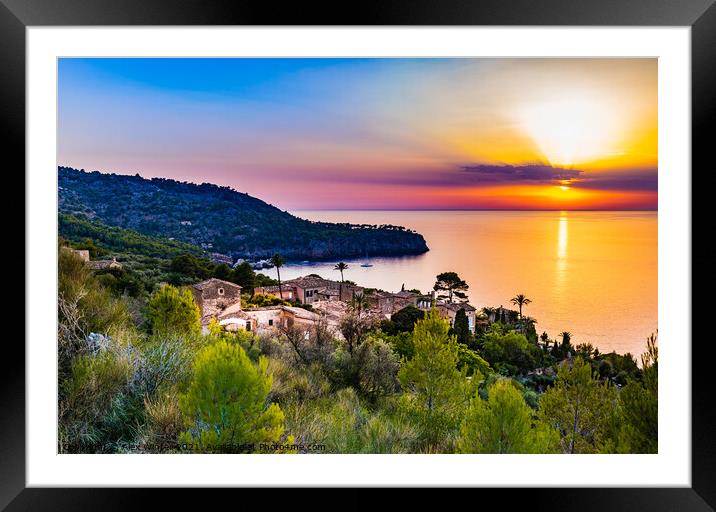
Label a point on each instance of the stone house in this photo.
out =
(266, 320)
(389, 303)
(309, 289)
(450, 310)
(215, 295)
(288, 292)
(104, 264)
(425, 302)
(503, 315)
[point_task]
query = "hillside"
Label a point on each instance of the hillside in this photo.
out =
(220, 219)
(77, 228)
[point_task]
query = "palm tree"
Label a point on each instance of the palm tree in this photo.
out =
(359, 302)
(566, 338)
(278, 261)
(340, 266)
(520, 300)
(528, 320)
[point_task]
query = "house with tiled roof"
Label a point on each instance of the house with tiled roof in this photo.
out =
(104, 264)
(389, 303)
(309, 289)
(449, 311)
(266, 319)
(288, 292)
(215, 295)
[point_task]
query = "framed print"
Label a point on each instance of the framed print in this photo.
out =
(430, 248)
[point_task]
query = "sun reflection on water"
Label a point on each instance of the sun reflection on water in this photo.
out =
(562, 246)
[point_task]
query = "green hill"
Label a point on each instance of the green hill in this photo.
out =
(78, 228)
(222, 220)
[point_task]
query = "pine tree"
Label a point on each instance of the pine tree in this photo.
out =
(436, 390)
(461, 328)
(227, 402)
(244, 276)
(172, 311)
(450, 286)
(578, 406)
(503, 424)
(639, 420)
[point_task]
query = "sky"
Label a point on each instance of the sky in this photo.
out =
(373, 133)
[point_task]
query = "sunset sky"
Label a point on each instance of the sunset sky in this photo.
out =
(373, 133)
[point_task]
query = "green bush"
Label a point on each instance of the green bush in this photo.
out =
(171, 311)
(511, 352)
(503, 424)
(405, 319)
(226, 405)
(344, 424)
(579, 406)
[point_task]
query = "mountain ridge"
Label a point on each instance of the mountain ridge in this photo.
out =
(222, 220)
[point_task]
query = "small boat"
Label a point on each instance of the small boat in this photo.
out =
(367, 265)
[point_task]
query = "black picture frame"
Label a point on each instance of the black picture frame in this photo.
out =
(700, 15)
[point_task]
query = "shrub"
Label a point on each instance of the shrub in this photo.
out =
(84, 307)
(371, 369)
(472, 362)
(291, 383)
(164, 423)
(261, 300)
(503, 424)
(343, 424)
(172, 311)
(402, 344)
(226, 404)
(87, 399)
(405, 319)
(510, 351)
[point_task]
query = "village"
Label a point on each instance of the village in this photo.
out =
(304, 302)
(328, 300)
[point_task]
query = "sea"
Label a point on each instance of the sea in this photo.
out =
(592, 273)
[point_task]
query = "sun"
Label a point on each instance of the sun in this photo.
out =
(562, 187)
(571, 129)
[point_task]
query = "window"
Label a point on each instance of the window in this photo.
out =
(248, 325)
(270, 322)
(221, 291)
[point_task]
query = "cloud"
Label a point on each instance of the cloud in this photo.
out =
(638, 181)
(520, 173)
(642, 180)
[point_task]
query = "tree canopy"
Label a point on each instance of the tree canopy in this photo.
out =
(579, 406)
(436, 389)
(503, 424)
(227, 405)
(451, 287)
(173, 311)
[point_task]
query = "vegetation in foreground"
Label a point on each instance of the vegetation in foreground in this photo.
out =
(137, 376)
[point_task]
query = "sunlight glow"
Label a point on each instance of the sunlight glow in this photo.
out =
(570, 130)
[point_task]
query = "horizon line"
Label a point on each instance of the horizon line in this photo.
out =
(196, 183)
(472, 210)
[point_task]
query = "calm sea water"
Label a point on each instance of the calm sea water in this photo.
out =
(593, 274)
